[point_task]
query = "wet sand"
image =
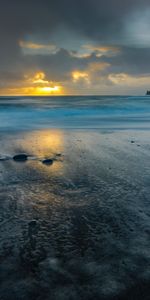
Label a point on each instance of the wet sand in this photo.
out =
(80, 227)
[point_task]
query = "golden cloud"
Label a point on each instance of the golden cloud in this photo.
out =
(124, 79)
(31, 47)
(88, 75)
(101, 50)
(79, 75)
(97, 67)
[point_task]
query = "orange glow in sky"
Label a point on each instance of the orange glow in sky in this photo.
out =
(36, 85)
(40, 78)
(78, 75)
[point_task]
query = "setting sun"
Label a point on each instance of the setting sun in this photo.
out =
(36, 84)
(44, 90)
(48, 89)
(42, 86)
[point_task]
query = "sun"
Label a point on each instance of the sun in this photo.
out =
(36, 85)
(48, 89)
(39, 85)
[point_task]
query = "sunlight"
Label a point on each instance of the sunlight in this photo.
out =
(78, 75)
(36, 85)
(43, 86)
(45, 144)
(48, 89)
(34, 91)
(39, 78)
(45, 90)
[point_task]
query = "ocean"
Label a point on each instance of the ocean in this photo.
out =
(101, 112)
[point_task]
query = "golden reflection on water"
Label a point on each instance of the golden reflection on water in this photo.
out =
(44, 144)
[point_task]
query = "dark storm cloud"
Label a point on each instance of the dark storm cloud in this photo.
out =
(94, 18)
(134, 61)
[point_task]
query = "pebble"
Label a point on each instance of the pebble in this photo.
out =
(58, 154)
(33, 223)
(48, 161)
(20, 157)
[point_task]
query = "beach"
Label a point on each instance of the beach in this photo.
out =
(77, 227)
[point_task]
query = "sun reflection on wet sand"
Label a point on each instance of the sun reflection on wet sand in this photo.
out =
(44, 144)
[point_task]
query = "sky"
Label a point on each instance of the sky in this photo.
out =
(74, 47)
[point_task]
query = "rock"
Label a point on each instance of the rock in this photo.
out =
(20, 157)
(48, 161)
(33, 223)
(132, 142)
(32, 228)
(3, 158)
(58, 154)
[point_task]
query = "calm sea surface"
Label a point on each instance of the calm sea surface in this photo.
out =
(101, 112)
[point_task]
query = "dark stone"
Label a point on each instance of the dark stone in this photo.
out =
(20, 157)
(33, 223)
(48, 161)
(132, 142)
(32, 228)
(58, 154)
(2, 158)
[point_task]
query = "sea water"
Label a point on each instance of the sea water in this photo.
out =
(97, 112)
